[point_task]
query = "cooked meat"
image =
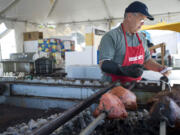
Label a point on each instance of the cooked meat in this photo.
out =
(166, 109)
(112, 105)
(127, 97)
(174, 94)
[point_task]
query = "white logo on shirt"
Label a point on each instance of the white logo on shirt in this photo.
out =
(140, 57)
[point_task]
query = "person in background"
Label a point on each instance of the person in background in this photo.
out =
(123, 52)
(149, 43)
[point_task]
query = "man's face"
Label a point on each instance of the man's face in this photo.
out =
(136, 20)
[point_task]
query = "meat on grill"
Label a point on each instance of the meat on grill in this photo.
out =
(165, 108)
(174, 94)
(126, 96)
(112, 105)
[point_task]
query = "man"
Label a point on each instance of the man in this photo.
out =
(123, 52)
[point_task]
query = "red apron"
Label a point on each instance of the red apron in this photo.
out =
(133, 55)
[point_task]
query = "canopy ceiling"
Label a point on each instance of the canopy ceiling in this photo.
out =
(72, 11)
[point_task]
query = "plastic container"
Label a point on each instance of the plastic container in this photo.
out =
(43, 66)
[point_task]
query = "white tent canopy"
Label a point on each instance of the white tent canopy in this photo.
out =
(75, 11)
(74, 15)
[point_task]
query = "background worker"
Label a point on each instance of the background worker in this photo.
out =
(123, 52)
(149, 43)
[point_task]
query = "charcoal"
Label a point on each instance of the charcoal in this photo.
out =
(136, 123)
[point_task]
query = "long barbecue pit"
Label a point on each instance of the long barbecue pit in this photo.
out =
(79, 119)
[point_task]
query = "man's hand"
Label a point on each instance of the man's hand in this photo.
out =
(134, 70)
(154, 66)
(166, 71)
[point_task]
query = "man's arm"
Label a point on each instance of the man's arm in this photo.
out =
(134, 70)
(154, 66)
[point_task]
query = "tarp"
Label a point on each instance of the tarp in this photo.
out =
(75, 15)
(78, 11)
(163, 26)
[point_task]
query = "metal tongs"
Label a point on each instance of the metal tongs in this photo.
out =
(165, 81)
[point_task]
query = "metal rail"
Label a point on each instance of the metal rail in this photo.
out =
(162, 129)
(70, 113)
(51, 84)
(93, 125)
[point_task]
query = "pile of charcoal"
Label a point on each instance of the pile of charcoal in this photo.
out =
(73, 127)
(27, 128)
(77, 124)
(135, 119)
(137, 122)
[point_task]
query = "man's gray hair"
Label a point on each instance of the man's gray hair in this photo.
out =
(125, 14)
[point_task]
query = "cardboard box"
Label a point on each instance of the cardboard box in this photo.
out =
(28, 36)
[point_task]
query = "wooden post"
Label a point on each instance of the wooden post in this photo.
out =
(162, 46)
